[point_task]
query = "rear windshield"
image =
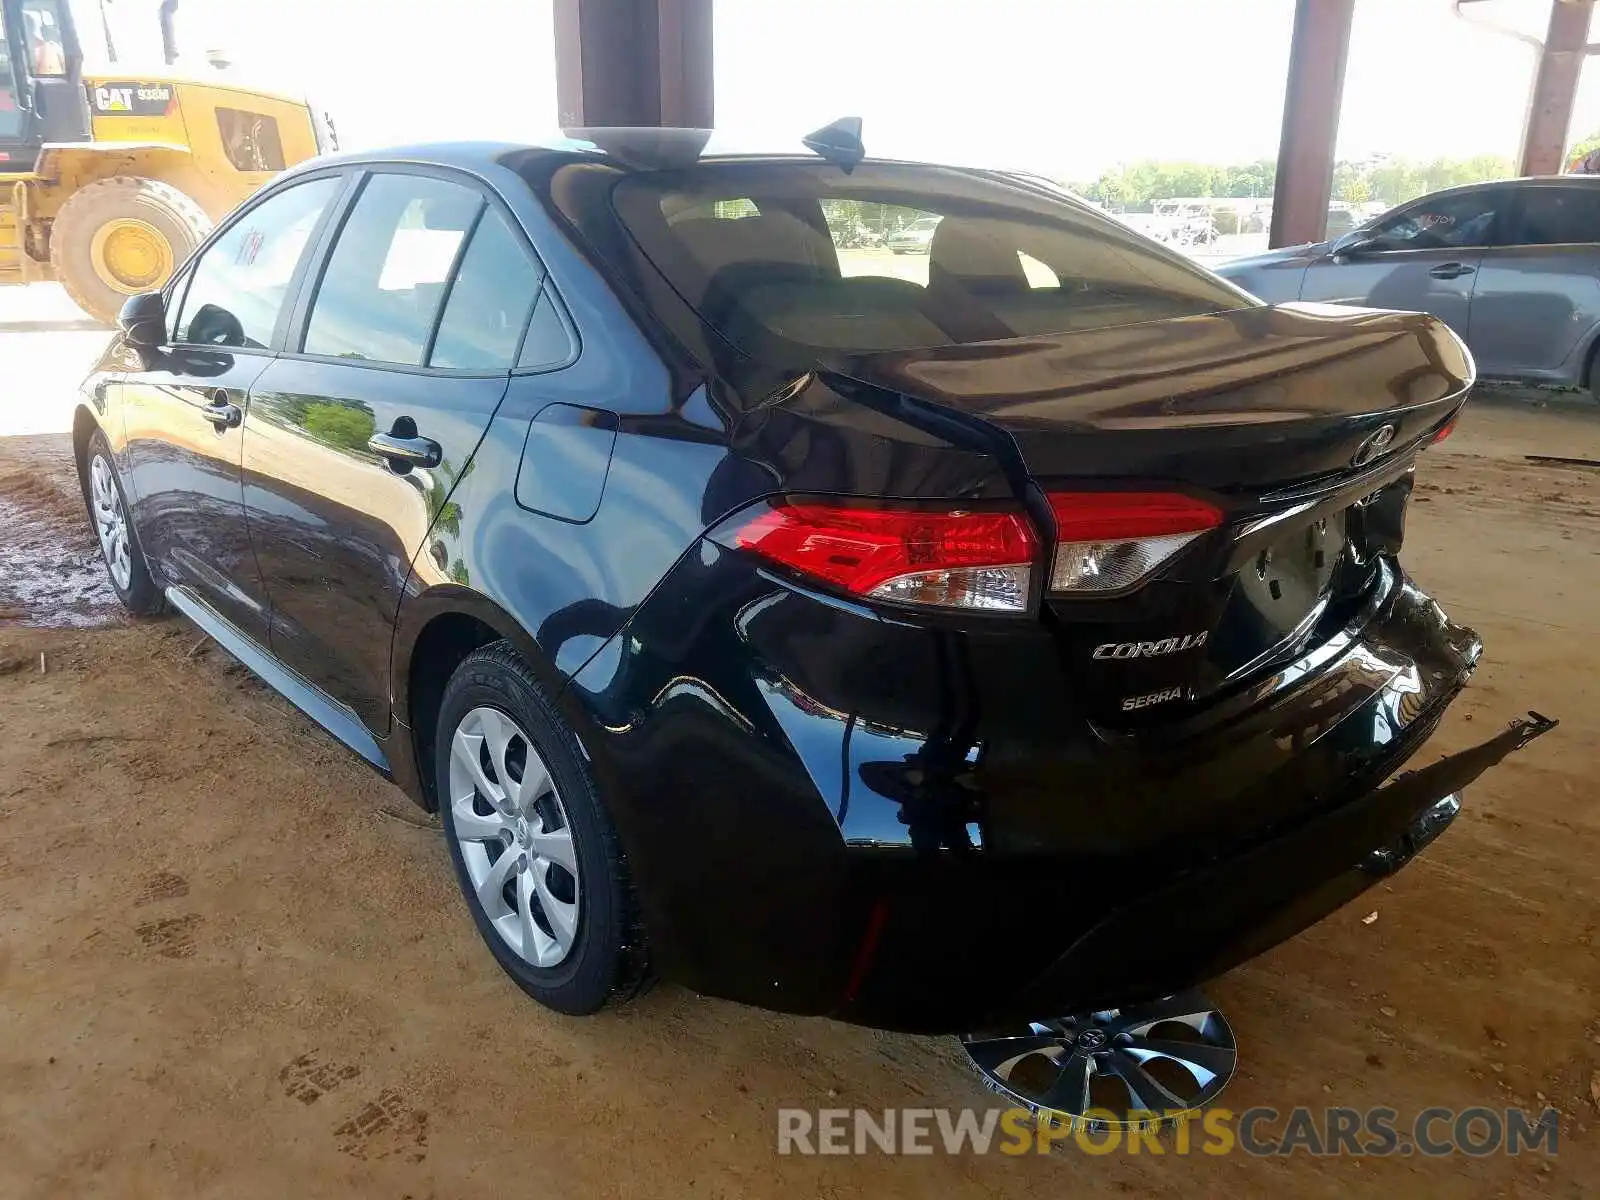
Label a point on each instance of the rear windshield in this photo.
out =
(801, 257)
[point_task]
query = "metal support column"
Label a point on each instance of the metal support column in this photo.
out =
(1555, 87)
(634, 62)
(1310, 120)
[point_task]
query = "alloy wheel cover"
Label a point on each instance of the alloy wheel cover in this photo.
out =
(1114, 1068)
(110, 521)
(514, 836)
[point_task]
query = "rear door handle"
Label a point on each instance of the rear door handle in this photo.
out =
(406, 451)
(222, 412)
(1451, 270)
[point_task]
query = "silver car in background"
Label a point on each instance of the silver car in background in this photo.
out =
(915, 238)
(1513, 267)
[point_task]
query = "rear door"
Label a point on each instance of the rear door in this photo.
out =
(1538, 293)
(400, 352)
(183, 406)
(1423, 258)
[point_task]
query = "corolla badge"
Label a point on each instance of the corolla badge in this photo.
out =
(1377, 442)
(1156, 649)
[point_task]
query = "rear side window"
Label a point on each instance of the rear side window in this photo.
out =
(490, 301)
(896, 257)
(548, 344)
(1443, 223)
(1557, 216)
(387, 277)
(240, 283)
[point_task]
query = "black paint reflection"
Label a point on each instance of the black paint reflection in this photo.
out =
(336, 527)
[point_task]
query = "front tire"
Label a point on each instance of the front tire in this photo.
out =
(113, 527)
(121, 236)
(534, 851)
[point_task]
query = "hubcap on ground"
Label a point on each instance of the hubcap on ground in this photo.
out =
(110, 522)
(1175, 1055)
(515, 838)
(130, 255)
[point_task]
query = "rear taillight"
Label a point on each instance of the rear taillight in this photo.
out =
(948, 559)
(1107, 541)
(1445, 430)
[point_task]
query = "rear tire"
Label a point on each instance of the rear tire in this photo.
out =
(535, 854)
(113, 527)
(121, 236)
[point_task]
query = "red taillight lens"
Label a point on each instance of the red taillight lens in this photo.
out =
(1445, 430)
(1107, 541)
(952, 559)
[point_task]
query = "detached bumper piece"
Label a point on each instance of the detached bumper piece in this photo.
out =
(1455, 773)
(1189, 932)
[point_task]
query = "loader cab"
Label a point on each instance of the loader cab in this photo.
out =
(41, 81)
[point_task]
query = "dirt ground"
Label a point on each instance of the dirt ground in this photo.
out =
(233, 962)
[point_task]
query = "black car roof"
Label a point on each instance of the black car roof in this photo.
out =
(636, 149)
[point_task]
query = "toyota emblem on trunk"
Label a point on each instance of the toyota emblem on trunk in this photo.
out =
(1377, 442)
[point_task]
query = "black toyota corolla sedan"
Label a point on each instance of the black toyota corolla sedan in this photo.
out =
(927, 641)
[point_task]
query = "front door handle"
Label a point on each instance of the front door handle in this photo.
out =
(1451, 270)
(406, 452)
(222, 412)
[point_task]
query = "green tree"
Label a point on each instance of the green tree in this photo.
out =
(1351, 184)
(1584, 146)
(344, 427)
(1135, 186)
(1249, 179)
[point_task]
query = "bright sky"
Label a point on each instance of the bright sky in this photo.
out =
(1063, 87)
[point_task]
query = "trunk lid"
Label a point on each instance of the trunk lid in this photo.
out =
(1247, 401)
(1300, 423)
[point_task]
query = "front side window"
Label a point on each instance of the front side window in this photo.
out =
(387, 276)
(10, 109)
(241, 282)
(250, 140)
(1557, 216)
(45, 37)
(897, 257)
(1445, 223)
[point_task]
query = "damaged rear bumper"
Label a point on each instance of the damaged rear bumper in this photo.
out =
(1191, 853)
(1219, 917)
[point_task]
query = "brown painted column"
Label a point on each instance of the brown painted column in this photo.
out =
(1555, 86)
(1310, 120)
(634, 62)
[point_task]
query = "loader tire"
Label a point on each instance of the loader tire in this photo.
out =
(121, 236)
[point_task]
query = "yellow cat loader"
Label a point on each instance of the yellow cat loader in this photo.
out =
(107, 183)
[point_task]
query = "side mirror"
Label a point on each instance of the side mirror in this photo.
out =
(1354, 245)
(143, 320)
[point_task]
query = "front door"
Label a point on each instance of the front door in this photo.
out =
(183, 408)
(1423, 258)
(354, 444)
